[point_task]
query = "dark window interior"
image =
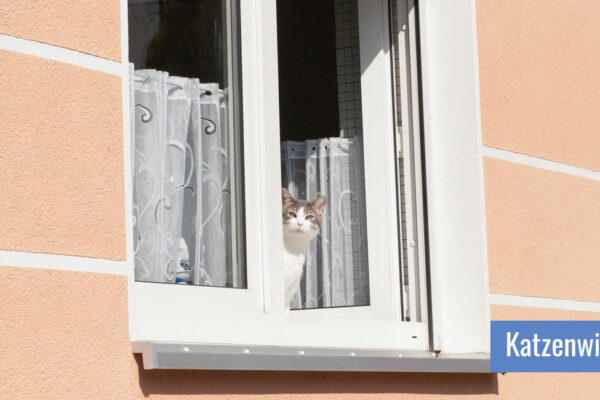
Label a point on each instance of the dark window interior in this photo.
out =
(183, 37)
(307, 69)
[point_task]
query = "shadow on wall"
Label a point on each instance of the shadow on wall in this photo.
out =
(280, 382)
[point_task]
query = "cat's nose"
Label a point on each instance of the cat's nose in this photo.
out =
(300, 224)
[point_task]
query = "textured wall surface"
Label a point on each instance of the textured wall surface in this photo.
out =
(89, 26)
(64, 335)
(501, 313)
(540, 90)
(61, 161)
(542, 231)
(540, 87)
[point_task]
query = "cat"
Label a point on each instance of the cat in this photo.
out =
(301, 223)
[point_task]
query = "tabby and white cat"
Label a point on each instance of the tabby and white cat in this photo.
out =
(301, 223)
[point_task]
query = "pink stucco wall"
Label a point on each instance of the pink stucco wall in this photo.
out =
(61, 160)
(89, 26)
(542, 232)
(540, 88)
(64, 335)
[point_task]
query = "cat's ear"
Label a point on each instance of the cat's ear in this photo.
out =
(286, 197)
(319, 204)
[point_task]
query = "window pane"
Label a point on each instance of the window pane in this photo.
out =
(321, 150)
(187, 142)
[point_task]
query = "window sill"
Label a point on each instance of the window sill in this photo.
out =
(160, 355)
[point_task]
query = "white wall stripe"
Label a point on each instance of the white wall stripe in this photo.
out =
(540, 163)
(60, 54)
(62, 263)
(543, 302)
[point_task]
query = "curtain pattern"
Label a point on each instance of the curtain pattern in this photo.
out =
(336, 271)
(181, 180)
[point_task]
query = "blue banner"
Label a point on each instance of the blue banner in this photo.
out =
(545, 346)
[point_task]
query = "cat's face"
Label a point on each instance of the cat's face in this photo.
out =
(300, 217)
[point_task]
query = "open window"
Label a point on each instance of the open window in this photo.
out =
(334, 73)
(231, 100)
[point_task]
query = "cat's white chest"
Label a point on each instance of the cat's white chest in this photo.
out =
(293, 265)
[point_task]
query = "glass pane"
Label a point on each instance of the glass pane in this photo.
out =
(321, 149)
(186, 142)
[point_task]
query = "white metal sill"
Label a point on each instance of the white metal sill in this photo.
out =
(160, 355)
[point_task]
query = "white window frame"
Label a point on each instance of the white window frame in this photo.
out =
(454, 169)
(160, 313)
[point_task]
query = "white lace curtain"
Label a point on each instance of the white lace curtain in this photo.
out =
(336, 272)
(181, 197)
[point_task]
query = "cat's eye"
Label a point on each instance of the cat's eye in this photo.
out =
(292, 214)
(309, 217)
